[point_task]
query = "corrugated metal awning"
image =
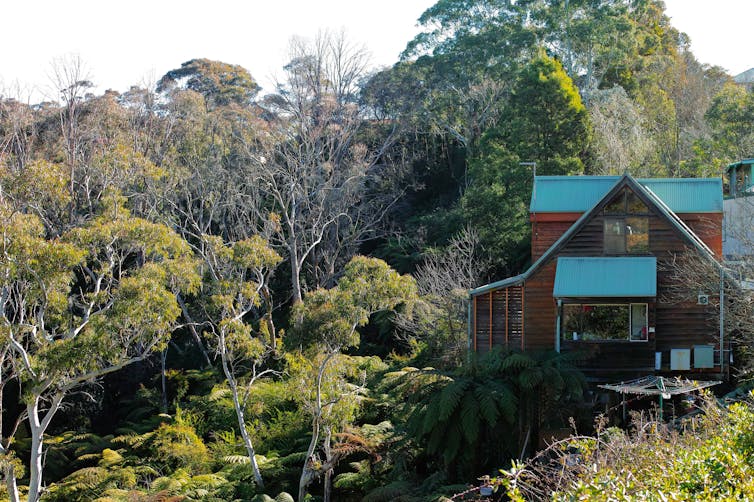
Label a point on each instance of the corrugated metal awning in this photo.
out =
(629, 276)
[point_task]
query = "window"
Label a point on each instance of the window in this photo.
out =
(605, 322)
(626, 235)
(626, 229)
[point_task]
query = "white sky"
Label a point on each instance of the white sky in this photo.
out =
(138, 41)
(720, 30)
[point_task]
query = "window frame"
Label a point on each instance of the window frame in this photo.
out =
(628, 338)
(613, 216)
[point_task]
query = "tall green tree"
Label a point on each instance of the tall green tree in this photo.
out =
(546, 123)
(219, 83)
(80, 307)
(237, 289)
(731, 116)
(329, 320)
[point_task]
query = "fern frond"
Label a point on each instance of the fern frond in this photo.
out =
(487, 405)
(450, 397)
(469, 415)
(236, 459)
(218, 393)
(515, 361)
(388, 493)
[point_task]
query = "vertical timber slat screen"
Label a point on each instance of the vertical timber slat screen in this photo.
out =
(501, 323)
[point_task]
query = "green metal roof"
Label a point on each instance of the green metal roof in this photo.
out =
(600, 277)
(741, 162)
(577, 194)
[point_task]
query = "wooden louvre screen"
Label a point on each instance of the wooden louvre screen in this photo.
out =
(498, 319)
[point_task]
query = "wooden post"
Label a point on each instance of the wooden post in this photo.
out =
(507, 317)
(490, 340)
(474, 302)
(523, 316)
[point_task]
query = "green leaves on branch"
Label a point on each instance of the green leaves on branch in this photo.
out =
(330, 317)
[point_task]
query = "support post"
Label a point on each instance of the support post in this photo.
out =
(507, 317)
(722, 321)
(490, 339)
(474, 313)
(523, 316)
(469, 320)
(557, 326)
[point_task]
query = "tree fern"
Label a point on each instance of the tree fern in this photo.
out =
(450, 398)
(488, 408)
(469, 417)
(389, 493)
(284, 497)
(514, 361)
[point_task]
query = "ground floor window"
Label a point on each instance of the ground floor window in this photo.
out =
(585, 321)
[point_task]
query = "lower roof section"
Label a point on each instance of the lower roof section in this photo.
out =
(624, 276)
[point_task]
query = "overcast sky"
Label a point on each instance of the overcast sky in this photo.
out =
(138, 41)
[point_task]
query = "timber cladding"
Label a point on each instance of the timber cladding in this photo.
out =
(498, 313)
(498, 319)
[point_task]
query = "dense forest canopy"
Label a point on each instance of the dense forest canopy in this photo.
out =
(210, 292)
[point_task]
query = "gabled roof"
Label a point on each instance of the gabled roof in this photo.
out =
(618, 184)
(579, 193)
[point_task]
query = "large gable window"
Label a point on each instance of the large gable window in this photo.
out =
(595, 322)
(626, 228)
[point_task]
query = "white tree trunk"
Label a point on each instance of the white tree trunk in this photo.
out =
(37, 428)
(240, 415)
(35, 460)
(10, 483)
(307, 473)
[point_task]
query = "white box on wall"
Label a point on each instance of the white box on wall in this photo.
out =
(680, 359)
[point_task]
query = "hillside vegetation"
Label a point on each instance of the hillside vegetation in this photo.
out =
(212, 291)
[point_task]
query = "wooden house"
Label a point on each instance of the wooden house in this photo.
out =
(602, 252)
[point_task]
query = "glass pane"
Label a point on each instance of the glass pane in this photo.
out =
(637, 235)
(615, 239)
(638, 321)
(635, 205)
(617, 205)
(595, 322)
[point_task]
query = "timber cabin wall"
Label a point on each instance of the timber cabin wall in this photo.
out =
(677, 325)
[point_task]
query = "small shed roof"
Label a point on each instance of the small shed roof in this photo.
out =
(605, 277)
(742, 162)
(556, 194)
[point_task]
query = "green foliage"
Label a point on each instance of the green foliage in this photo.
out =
(220, 83)
(330, 317)
(707, 457)
(546, 123)
(731, 114)
(457, 416)
(176, 446)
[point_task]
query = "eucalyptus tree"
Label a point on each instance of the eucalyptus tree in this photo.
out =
(78, 307)
(730, 115)
(329, 320)
(238, 276)
(326, 181)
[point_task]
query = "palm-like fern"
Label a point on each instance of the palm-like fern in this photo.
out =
(462, 417)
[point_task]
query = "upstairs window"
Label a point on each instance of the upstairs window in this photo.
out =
(626, 228)
(626, 235)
